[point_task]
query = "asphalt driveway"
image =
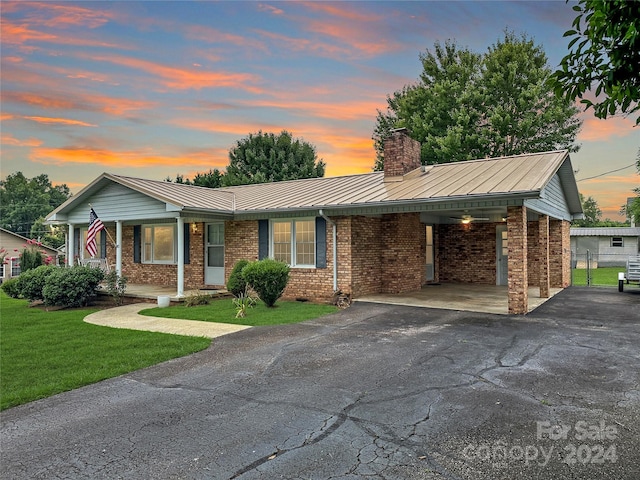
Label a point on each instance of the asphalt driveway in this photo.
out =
(375, 391)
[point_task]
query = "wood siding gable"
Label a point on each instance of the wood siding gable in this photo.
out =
(552, 200)
(116, 202)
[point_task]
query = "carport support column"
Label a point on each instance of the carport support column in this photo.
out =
(180, 292)
(517, 261)
(543, 251)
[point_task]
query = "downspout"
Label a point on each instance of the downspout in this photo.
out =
(335, 249)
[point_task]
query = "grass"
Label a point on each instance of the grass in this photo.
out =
(44, 353)
(599, 276)
(223, 311)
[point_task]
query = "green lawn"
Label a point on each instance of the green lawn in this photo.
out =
(44, 353)
(223, 310)
(599, 276)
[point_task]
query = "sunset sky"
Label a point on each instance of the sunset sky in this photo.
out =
(155, 89)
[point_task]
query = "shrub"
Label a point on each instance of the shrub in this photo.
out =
(32, 282)
(71, 287)
(268, 278)
(236, 283)
(11, 287)
(116, 286)
(33, 256)
(197, 299)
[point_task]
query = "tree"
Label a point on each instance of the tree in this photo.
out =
(266, 157)
(468, 105)
(211, 179)
(632, 209)
(23, 201)
(604, 52)
(592, 213)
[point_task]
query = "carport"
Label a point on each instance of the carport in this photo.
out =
(469, 297)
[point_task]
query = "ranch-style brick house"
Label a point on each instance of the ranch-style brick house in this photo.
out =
(499, 221)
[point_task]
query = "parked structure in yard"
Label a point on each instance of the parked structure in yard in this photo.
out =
(11, 244)
(501, 221)
(607, 246)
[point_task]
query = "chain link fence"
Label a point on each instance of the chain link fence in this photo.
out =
(594, 269)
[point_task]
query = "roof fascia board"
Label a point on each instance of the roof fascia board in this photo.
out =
(420, 205)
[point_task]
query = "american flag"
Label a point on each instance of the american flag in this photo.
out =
(95, 225)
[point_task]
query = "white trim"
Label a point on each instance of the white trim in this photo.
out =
(292, 222)
(153, 261)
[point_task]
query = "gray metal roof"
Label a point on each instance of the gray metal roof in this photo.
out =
(521, 175)
(605, 232)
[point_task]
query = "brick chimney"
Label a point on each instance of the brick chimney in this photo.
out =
(401, 154)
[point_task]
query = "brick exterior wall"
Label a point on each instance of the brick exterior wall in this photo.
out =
(240, 243)
(401, 154)
(466, 253)
(402, 260)
(559, 254)
(366, 256)
(517, 236)
(164, 275)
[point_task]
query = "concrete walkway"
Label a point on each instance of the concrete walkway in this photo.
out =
(128, 317)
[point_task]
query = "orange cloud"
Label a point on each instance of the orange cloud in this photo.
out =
(611, 192)
(84, 102)
(8, 139)
(59, 121)
(59, 15)
(184, 79)
(118, 159)
(596, 130)
(20, 35)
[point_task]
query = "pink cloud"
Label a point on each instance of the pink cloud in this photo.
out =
(183, 78)
(59, 121)
(596, 130)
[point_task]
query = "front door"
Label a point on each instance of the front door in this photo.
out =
(502, 250)
(214, 254)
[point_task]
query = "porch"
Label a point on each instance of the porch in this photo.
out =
(470, 297)
(152, 292)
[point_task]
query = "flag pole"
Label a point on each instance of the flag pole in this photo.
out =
(107, 232)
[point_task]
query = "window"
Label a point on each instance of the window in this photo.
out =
(158, 244)
(294, 242)
(617, 242)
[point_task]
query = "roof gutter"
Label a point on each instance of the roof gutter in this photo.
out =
(335, 249)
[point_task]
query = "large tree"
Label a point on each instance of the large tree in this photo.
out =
(468, 105)
(603, 58)
(25, 200)
(267, 157)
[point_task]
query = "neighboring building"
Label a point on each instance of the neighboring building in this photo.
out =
(501, 221)
(13, 244)
(608, 246)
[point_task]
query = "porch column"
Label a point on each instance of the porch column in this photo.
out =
(180, 257)
(71, 248)
(517, 260)
(543, 252)
(119, 247)
(559, 253)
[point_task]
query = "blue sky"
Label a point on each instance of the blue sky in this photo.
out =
(153, 89)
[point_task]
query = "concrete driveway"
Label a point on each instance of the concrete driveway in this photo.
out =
(376, 391)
